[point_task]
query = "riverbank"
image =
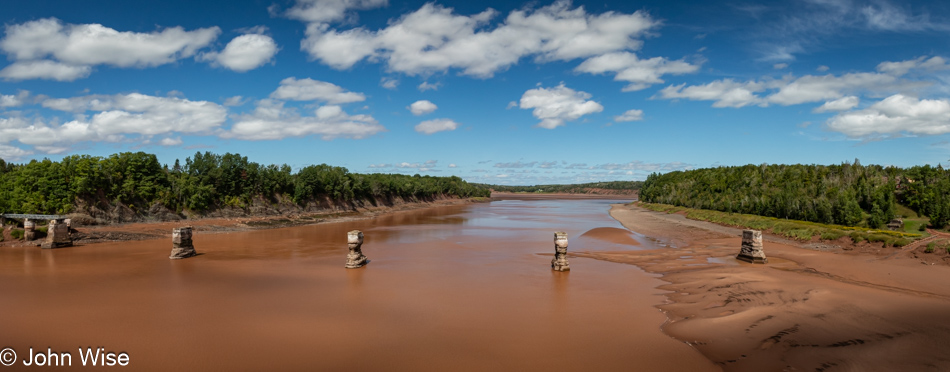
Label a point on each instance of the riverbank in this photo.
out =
(807, 309)
(159, 229)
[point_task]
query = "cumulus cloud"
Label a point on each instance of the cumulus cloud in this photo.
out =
(891, 78)
(422, 107)
(434, 38)
(726, 92)
(314, 90)
(9, 100)
(900, 68)
(841, 104)
(629, 115)
(49, 49)
(641, 73)
(168, 141)
(895, 115)
(436, 125)
(8, 152)
(44, 69)
(116, 118)
(244, 53)
(271, 120)
(323, 11)
(556, 105)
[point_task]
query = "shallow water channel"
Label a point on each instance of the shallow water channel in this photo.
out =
(448, 288)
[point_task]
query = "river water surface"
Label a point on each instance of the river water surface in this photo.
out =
(448, 288)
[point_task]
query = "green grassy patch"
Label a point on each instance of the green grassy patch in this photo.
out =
(17, 234)
(792, 229)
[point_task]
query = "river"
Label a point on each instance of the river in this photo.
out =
(448, 288)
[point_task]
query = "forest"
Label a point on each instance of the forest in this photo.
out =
(848, 194)
(570, 189)
(203, 182)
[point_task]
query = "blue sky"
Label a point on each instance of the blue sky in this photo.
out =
(492, 91)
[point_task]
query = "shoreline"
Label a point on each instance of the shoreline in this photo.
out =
(135, 231)
(807, 309)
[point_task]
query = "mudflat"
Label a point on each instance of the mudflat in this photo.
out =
(466, 287)
(804, 310)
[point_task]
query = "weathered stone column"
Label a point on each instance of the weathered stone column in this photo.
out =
(752, 247)
(559, 263)
(354, 241)
(29, 229)
(57, 235)
(182, 247)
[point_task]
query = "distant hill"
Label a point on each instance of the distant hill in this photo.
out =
(598, 188)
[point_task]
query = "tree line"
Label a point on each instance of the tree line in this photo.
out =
(573, 189)
(848, 194)
(204, 182)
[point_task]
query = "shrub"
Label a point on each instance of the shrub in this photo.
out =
(831, 235)
(930, 247)
(857, 237)
(17, 233)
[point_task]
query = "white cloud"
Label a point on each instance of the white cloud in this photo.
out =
(49, 49)
(272, 121)
(117, 118)
(793, 27)
(641, 73)
(811, 88)
(840, 104)
(422, 107)
(630, 115)
(894, 115)
(434, 39)
(923, 63)
(234, 101)
(726, 93)
(9, 100)
(426, 86)
(12, 152)
(453, 165)
(427, 165)
(314, 90)
(329, 10)
(516, 165)
(44, 69)
(780, 66)
(556, 105)
(168, 141)
(436, 125)
(389, 83)
(822, 68)
(244, 53)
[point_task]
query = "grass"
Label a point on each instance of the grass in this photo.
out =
(930, 247)
(17, 234)
(798, 230)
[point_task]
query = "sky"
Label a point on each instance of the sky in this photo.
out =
(501, 92)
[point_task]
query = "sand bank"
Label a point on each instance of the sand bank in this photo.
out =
(805, 310)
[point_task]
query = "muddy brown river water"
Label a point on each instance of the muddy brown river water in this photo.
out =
(449, 288)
